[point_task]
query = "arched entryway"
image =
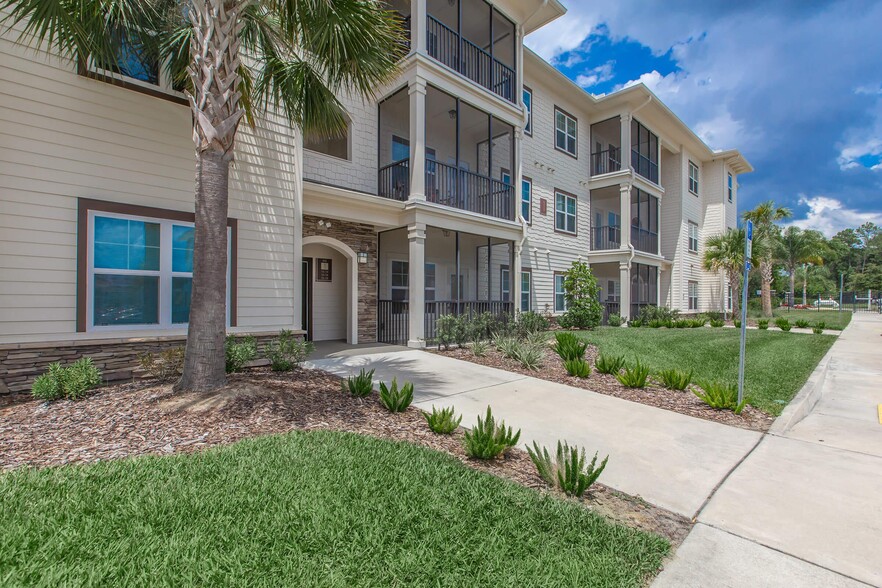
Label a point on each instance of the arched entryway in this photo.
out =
(332, 281)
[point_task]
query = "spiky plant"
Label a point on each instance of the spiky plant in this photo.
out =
(396, 399)
(443, 421)
(567, 469)
(488, 439)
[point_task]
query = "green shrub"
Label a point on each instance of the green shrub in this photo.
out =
(634, 376)
(720, 395)
(539, 338)
(682, 323)
(782, 323)
(656, 324)
(821, 325)
(361, 385)
(615, 320)
(569, 346)
(567, 470)
(717, 323)
(165, 365)
(802, 323)
(737, 323)
(609, 364)
(584, 310)
(657, 313)
(675, 379)
(239, 352)
(71, 382)
(578, 368)
(530, 356)
(636, 323)
(396, 399)
(443, 421)
(480, 348)
(287, 351)
(530, 322)
(697, 323)
(713, 316)
(763, 324)
(451, 329)
(488, 440)
(507, 346)
(817, 330)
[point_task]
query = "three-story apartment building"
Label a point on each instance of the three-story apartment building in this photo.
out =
(469, 184)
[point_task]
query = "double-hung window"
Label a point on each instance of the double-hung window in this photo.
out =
(565, 213)
(505, 283)
(565, 132)
(526, 287)
(140, 272)
(693, 295)
(528, 105)
(693, 237)
(399, 272)
(693, 178)
(526, 198)
(560, 298)
(730, 186)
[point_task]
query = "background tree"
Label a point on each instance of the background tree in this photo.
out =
(584, 310)
(796, 247)
(236, 57)
(764, 217)
(725, 253)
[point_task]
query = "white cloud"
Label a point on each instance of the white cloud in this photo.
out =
(830, 215)
(597, 75)
(862, 141)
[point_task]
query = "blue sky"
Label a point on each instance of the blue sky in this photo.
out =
(796, 86)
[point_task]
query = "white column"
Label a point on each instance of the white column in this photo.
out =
(625, 212)
(625, 138)
(625, 287)
(518, 173)
(418, 26)
(416, 282)
(417, 92)
(298, 320)
(516, 277)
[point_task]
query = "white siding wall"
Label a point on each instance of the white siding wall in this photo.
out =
(716, 219)
(63, 136)
(672, 228)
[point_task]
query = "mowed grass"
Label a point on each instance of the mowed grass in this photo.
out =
(834, 319)
(776, 365)
(305, 509)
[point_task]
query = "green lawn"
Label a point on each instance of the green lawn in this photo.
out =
(305, 509)
(835, 319)
(776, 366)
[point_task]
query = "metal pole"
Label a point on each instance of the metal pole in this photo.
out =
(840, 291)
(748, 242)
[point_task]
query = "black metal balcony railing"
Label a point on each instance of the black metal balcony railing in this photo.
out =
(394, 180)
(644, 240)
(644, 166)
(606, 237)
(606, 161)
(448, 47)
(458, 188)
(392, 316)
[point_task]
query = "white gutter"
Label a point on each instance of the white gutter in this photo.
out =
(534, 13)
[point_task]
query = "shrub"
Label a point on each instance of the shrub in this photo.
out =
(656, 324)
(821, 325)
(675, 379)
(166, 365)
(720, 395)
(636, 323)
(615, 320)
(634, 376)
(697, 322)
(488, 440)
(609, 364)
(479, 348)
(361, 385)
(737, 323)
(802, 323)
(584, 310)
(578, 368)
(682, 323)
(507, 346)
(287, 352)
(817, 330)
(763, 324)
(539, 338)
(71, 382)
(451, 329)
(567, 470)
(443, 421)
(713, 316)
(717, 323)
(782, 323)
(483, 326)
(396, 399)
(530, 322)
(657, 313)
(569, 346)
(239, 352)
(530, 356)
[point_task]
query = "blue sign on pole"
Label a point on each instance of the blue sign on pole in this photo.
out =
(749, 230)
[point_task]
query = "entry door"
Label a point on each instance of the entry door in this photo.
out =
(306, 297)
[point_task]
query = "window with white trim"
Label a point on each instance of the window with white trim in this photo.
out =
(693, 178)
(693, 237)
(692, 292)
(560, 298)
(528, 105)
(430, 282)
(136, 65)
(526, 198)
(399, 275)
(728, 297)
(526, 290)
(505, 283)
(565, 132)
(565, 213)
(730, 185)
(140, 272)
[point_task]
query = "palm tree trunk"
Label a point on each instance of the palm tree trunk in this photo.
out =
(804, 283)
(766, 276)
(734, 283)
(792, 300)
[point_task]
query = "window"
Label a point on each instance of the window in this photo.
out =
(564, 132)
(565, 213)
(135, 65)
(430, 282)
(560, 298)
(693, 237)
(692, 288)
(140, 271)
(613, 291)
(728, 297)
(526, 286)
(505, 283)
(693, 178)
(526, 198)
(333, 146)
(729, 185)
(400, 275)
(505, 176)
(528, 105)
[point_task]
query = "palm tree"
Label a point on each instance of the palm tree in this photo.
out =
(237, 58)
(764, 217)
(796, 247)
(726, 253)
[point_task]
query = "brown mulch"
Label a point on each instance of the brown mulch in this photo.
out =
(684, 402)
(142, 418)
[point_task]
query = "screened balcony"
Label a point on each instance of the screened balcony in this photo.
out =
(644, 151)
(475, 39)
(644, 221)
(606, 141)
(644, 287)
(606, 228)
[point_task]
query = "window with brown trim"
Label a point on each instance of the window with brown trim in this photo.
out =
(565, 132)
(565, 212)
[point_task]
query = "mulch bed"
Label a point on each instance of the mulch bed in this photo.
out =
(141, 418)
(684, 402)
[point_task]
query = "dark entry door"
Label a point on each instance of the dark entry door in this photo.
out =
(306, 297)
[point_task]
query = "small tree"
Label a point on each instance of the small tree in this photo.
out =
(584, 310)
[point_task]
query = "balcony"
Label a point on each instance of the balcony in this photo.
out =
(644, 240)
(606, 161)
(474, 39)
(644, 151)
(606, 229)
(606, 237)
(606, 156)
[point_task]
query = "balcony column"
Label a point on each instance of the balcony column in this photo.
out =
(625, 138)
(515, 277)
(518, 175)
(416, 281)
(418, 26)
(625, 290)
(625, 213)
(417, 93)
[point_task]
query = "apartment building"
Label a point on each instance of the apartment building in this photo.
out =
(478, 176)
